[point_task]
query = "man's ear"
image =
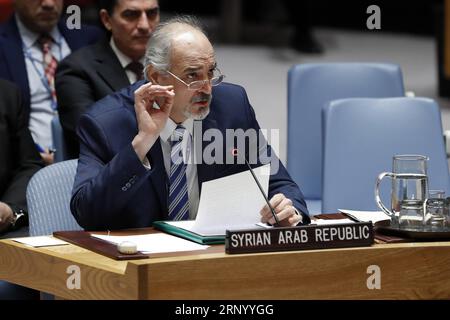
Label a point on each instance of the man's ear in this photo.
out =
(152, 74)
(106, 20)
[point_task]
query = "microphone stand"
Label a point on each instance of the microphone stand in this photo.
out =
(277, 222)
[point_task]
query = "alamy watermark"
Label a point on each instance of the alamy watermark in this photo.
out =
(374, 280)
(212, 146)
(374, 20)
(74, 17)
(74, 279)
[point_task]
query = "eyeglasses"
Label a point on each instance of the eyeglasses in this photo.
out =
(198, 84)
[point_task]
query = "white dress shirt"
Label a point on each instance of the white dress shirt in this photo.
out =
(125, 61)
(41, 111)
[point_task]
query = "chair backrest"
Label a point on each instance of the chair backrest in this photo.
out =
(59, 143)
(48, 198)
(310, 87)
(362, 135)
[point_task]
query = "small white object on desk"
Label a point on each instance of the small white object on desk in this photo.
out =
(127, 247)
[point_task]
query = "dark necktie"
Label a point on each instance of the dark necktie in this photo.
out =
(50, 62)
(137, 68)
(178, 191)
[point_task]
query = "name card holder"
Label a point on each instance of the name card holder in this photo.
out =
(359, 234)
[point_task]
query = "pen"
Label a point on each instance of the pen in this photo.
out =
(40, 149)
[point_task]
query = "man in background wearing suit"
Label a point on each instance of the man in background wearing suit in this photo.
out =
(32, 42)
(113, 63)
(128, 175)
(19, 159)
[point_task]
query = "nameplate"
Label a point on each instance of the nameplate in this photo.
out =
(359, 234)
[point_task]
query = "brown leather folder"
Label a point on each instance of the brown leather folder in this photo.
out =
(85, 240)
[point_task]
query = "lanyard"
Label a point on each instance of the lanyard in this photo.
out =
(43, 78)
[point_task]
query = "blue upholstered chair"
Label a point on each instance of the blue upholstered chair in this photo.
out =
(310, 87)
(59, 143)
(362, 135)
(48, 199)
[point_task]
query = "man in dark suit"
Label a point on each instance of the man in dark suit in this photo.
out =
(19, 159)
(131, 142)
(113, 63)
(22, 59)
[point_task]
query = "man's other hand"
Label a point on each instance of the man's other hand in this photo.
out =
(286, 213)
(6, 217)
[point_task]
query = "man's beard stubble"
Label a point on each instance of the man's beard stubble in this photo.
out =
(202, 111)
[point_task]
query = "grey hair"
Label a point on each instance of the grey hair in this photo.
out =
(160, 43)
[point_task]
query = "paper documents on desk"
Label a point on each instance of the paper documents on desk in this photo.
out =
(366, 216)
(40, 241)
(321, 222)
(155, 243)
(231, 202)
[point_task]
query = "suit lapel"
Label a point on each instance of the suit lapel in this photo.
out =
(15, 59)
(109, 67)
(159, 176)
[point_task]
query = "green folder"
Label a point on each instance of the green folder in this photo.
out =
(187, 234)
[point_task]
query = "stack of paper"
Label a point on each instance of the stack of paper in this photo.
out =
(154, 243)
(366, 216)
(228, 203)
(40, 241)
(320, 222)
(184, 229)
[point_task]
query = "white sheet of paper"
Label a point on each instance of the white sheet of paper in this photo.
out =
(366, 216)
(155, 243)
(40, 241)
(231, 202)
(321, 222)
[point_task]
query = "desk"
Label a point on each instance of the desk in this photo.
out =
(408, 271)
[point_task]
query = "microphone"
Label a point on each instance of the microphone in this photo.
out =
(234, 152)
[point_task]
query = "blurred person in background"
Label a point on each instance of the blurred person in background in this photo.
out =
(32, 42)
(115, 62)
(19, 161)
